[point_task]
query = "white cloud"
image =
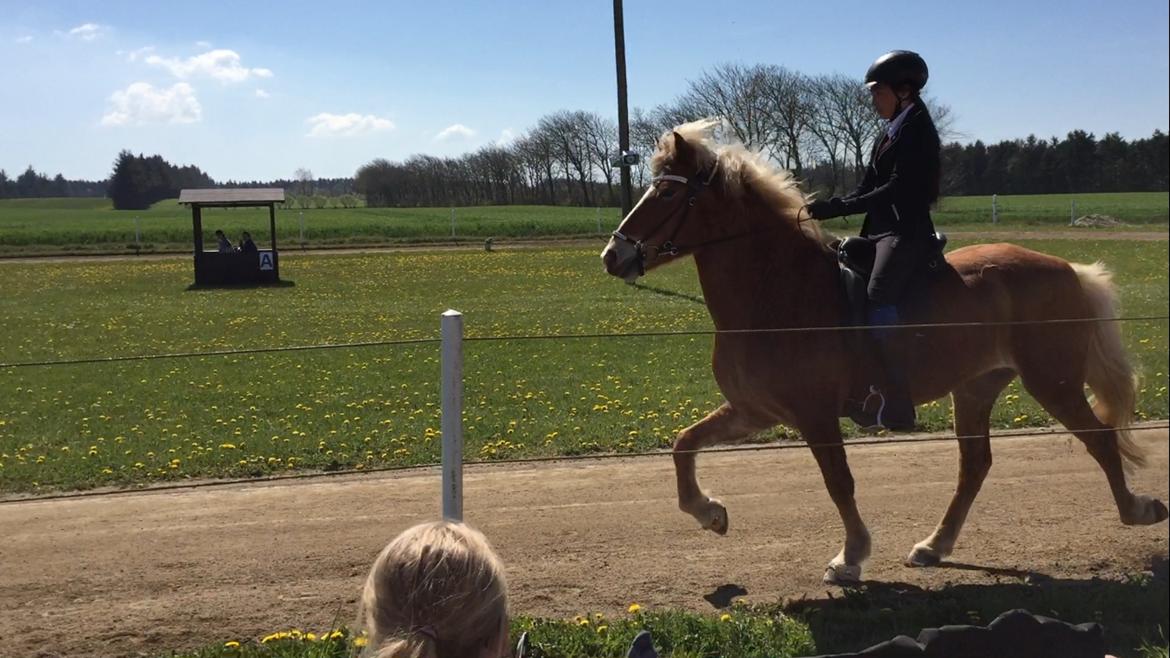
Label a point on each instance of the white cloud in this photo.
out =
(25, 39)
(87, 31)
(260, 93)
(346, 125)
(135, 55)
(203, 44)
(141, 103)
(456, 131)
(507, 136)
(223, 65)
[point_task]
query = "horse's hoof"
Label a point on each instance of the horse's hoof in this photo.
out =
(716, 520)
(842, 575)
(1145, 511)
(923, 556)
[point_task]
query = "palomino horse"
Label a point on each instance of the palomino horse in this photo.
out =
(760, 267)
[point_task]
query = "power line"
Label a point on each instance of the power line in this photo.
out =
(579, 336)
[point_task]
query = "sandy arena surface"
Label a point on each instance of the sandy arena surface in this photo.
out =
(145, 573)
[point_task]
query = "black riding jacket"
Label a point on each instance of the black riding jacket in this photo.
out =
(900, 182)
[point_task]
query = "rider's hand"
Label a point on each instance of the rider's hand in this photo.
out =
(821, 209)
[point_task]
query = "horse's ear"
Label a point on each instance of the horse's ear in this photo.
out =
(682, 150)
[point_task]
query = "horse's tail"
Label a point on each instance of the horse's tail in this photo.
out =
(1108, 371)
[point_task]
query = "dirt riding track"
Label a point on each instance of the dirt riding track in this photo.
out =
(150, 572)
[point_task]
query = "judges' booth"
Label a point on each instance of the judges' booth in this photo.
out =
(215, 267)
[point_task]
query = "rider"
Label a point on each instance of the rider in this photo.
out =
(900, 184)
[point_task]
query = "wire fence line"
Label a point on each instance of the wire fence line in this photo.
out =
(578, 336)
(794, 445)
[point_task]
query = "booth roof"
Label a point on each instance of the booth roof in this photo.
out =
(232, 197)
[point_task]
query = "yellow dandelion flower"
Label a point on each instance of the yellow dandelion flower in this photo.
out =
(725, 617)
(231, 645)
(360, 642)
(634, 609)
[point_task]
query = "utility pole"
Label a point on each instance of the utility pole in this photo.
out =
(619, 42)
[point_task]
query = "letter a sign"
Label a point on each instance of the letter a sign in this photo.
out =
(266, 260)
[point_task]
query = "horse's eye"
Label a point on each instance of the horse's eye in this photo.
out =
(666, 193)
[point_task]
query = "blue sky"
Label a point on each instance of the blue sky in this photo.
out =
(255, 90)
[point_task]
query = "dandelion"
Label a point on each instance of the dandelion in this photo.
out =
(231, 645)
(634, 609)
(725, 617)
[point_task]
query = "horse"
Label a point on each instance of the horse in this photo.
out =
(762, 268)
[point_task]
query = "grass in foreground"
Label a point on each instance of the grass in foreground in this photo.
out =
(1134, 613)
(130, 423)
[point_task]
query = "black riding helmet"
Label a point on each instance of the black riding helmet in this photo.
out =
(897, 68)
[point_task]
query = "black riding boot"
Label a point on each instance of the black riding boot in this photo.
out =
(887, 405)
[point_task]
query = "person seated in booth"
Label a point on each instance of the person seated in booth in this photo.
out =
(223, 245)
(247, 246)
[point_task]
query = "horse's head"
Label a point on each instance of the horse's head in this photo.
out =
(670, 220)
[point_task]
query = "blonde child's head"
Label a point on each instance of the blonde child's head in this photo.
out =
(436, 591)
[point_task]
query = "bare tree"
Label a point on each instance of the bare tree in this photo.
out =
(788, 109)
(848, 104)
(644, 135)
(736, 94)
(304, 178)
(944, 119)
(564, 128)
(602, 142)
(828, 136)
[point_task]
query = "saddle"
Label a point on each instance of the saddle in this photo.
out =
(855, 259)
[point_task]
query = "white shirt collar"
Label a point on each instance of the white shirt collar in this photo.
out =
(896, 124)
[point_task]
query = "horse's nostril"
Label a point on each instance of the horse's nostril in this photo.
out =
(609, 258)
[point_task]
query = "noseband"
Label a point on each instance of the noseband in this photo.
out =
(668, 247)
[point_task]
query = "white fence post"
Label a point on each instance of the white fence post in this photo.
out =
(452, 223)
(994, 209)
(1072, 214)
(451, 332)
(137, 235)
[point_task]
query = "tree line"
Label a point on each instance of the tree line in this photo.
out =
(819, 127)
(35, 184)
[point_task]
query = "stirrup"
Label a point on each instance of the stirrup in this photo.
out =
(870, 421)
(867, 420)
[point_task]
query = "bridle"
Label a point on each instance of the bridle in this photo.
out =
(668, 247)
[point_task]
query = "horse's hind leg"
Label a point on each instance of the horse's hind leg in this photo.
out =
(722, 425)
(973, 401)
(1064, 398)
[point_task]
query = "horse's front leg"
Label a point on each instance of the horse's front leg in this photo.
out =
(722, 425)
(825, 441)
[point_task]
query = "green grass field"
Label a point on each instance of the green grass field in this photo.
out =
(91, 225)
(130, 423)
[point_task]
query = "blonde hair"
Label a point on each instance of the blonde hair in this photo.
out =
(436, 591)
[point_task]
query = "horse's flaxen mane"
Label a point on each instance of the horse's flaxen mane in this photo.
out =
(739, 169)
